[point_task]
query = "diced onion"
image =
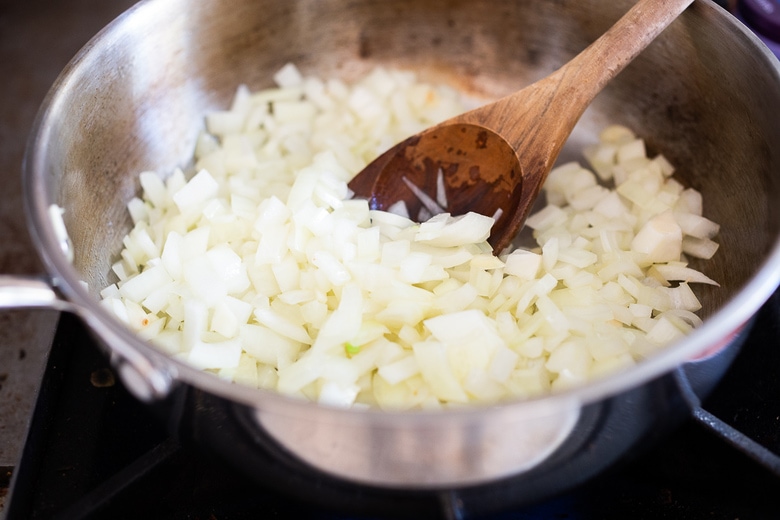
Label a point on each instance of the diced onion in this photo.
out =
(260, 269)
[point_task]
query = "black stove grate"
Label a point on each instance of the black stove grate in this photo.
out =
(94, 452)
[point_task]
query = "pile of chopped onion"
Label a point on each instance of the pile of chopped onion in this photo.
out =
(261, 269)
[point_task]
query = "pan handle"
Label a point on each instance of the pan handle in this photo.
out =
(31, 292)
(147, 380)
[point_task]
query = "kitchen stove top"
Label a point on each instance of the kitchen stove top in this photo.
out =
(95, 452)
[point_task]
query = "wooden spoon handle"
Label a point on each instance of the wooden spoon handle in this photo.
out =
(537, 120)
(608, 56)
(570, 89)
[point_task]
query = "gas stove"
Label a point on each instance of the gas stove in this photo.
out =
(93, 451)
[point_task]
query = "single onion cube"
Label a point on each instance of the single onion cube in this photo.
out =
(660, 239)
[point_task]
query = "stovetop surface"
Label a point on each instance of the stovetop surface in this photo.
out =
(95, 452)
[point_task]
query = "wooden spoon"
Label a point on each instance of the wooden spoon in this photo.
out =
(494, 159)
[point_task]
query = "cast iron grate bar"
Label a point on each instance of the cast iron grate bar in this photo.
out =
(743, 434)
(452, 506)
(96, 500)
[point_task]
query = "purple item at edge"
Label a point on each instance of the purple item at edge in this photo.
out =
(763, 17)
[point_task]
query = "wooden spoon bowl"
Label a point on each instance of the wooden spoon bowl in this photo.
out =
(494, 160)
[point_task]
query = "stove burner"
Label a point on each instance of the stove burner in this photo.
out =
(94, 452)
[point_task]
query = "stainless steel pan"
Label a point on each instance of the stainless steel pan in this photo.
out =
(706, 93)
